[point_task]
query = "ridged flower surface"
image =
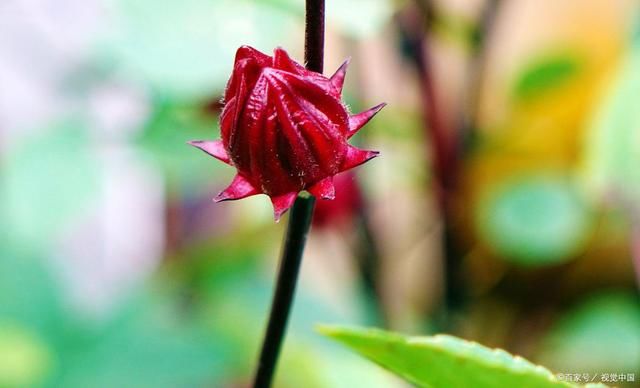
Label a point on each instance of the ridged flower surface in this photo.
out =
(285, 129)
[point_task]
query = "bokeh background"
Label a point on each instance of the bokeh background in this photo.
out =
(504, 207)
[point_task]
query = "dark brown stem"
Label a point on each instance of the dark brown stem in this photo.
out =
(296, 237)
(314, 35)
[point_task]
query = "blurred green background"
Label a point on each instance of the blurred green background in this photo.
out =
(117, 270)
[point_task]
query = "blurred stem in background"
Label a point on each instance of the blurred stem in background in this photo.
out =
(635, 250)
(299, 222)
(476, 72)
(367, 252)
(368, 259)
(447, 145)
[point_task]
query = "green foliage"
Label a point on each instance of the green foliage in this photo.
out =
(231, 289)
(534, 220)
(143, 344)
(443, 361)
(459, 30)
(600, 335)
(31, 316)
(165, 138)
(544, 74)
(49, 177)
(25, 359)
(372, 14)
(184, 49)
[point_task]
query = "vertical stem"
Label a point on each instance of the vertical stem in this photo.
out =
(314, 35)
(635, 250)
(447, 146)
(297, 231)
(442, 146)
(299, 223)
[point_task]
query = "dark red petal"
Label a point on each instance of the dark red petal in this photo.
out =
(245, 52)
(282, 203)
(247, 64)
(300, 157)
(238, 189)
(320, 95)
(242, 145)
(213, 148)
(235, 96)
(282, 61)
(359, 120)
(277, 174)
(322, 136)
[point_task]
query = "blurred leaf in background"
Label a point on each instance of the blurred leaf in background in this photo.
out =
(51, 176)
(231, 291)
(535, 220)
(183, 50)
(165, 137)
(539, 94)
(144, 344)
(599, 335)
(545, 74)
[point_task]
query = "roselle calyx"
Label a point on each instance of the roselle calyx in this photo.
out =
(285, 129)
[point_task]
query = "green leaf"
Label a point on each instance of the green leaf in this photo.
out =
(544, 74)
(443, 361)
(534, 220)
(590, 326)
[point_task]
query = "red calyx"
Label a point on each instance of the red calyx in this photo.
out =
(285, 129)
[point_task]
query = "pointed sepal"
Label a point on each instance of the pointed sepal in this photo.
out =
(356, 157)
(324, 189)
(282, 203)
(282, 60)
(357, 121)
(337, 79)
(238, 189)
(213, 148)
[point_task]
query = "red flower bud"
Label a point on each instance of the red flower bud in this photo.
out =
(285, 129)
(348, 200)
